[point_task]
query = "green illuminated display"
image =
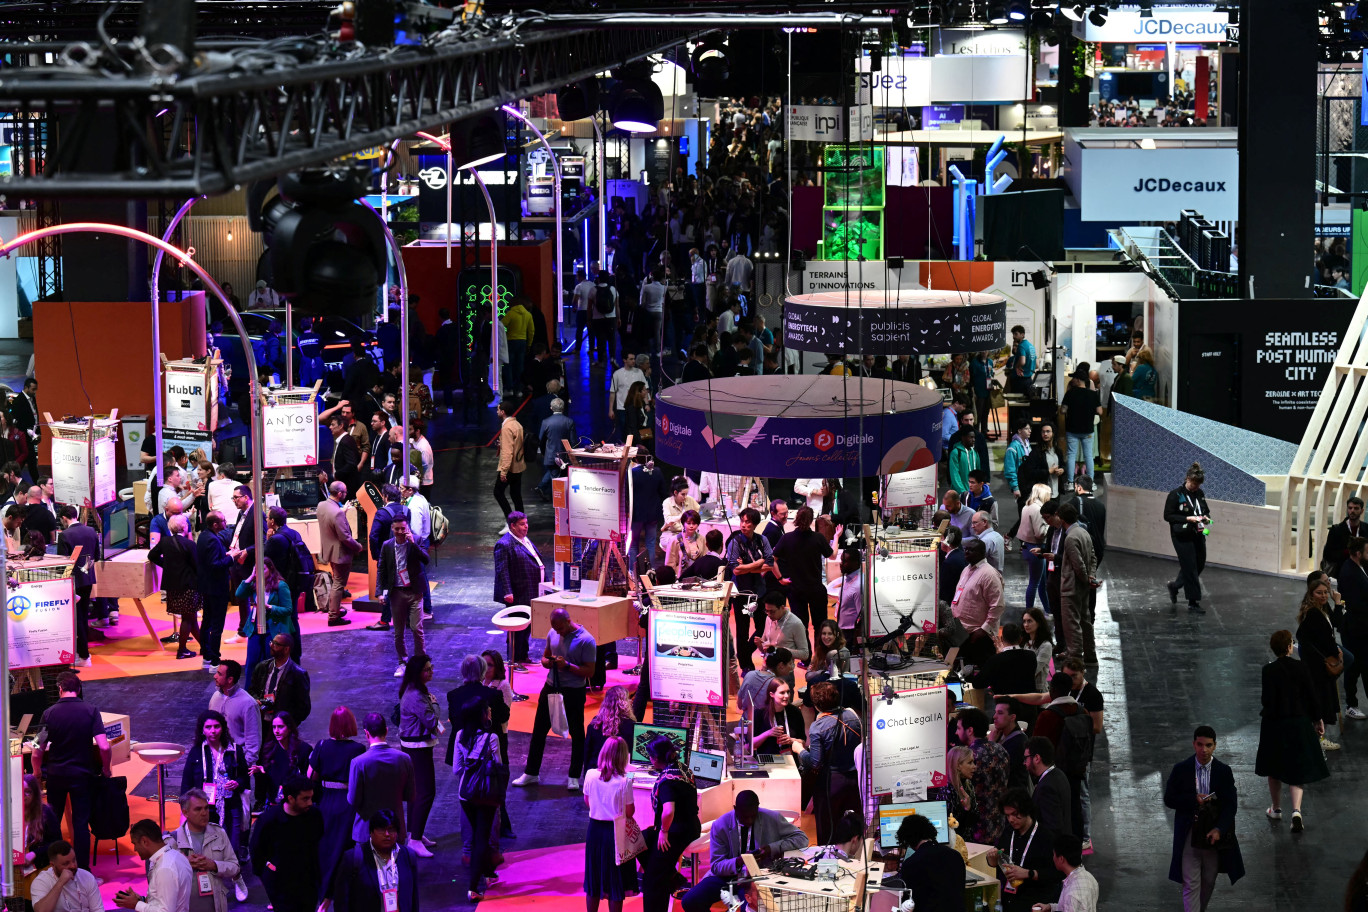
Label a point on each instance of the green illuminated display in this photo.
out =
(853, 177)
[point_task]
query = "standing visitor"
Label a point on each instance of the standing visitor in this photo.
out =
(1289, 730)
(608, 795)
(1081, 407)
(1188, 516)
(1045, 463)
(674, 799)
(1017, 450)
(63, 751)
(1351, 617)
(1201, 792)
(419, 725)
(1316, 641)
(378, 875)
(403, 577)
(476, 748)
(338, 548)
(990, 774)
(749, 558)
(1079, 890)
(569, 659)
(329, 768)
(175, 555)
(1023, 363)
(218, 767)
(1031, 532)
(170, 879)
(78, 534)
(511, 464)
(284, 851)
(833, 740)
(208, 849)
(1336, 550)
(380, 778)
(518, 571)
(801, 556)
(1024, 856)
(214, 565)
(1077, 566)
(933, 871)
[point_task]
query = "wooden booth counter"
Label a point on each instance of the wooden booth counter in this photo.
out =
(608, 618)
(129, 575)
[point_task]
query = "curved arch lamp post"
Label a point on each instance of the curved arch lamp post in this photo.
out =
(556, 187)
(181, 213)
(398, 254)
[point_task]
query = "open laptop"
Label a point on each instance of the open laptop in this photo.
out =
(707, 767)
(298, 496)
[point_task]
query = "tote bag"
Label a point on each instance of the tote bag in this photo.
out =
(627, 839)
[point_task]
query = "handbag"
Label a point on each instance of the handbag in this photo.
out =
(555, 708)
(484, 777)
(1334, 665)
(627, 839)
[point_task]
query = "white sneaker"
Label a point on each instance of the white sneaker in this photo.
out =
(83, 663)
(503, 531)
(526, 779)
(1354, 712)
(1327, 744)
(417, 848)
(399, 672)
(113, 619)
(573, 785)
(232, 639)
(240, 889)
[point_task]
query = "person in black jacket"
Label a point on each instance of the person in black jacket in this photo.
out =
(175, 554)
(346, 458)
(932, 870)
(1192, 787)
(1336, 550)
(1024, 856)
(380, 533)
(1316, 642)
(1188, 516)
(213, 565)
(217, 766)
(1010, 670)
(1351, 617)
(1289, 731)
(279, 684)
(78, 534)
(366, 872)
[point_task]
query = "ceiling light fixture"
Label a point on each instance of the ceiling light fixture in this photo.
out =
(478, 141)
(1073, 13)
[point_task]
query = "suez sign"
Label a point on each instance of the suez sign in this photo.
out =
(1168, 23)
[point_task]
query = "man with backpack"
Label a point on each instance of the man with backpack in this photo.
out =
(1069, 727)
(603, 318)
(380, 533)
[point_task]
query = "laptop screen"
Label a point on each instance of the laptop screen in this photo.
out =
(707, 765)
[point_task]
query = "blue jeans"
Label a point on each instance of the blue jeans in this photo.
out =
(645, 537)
(1075, 441)
(1035, 583)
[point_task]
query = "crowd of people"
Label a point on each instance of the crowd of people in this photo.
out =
(1177, 111)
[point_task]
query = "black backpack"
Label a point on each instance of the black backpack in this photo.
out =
(604, 300)
(1075, 749)
(304, 563)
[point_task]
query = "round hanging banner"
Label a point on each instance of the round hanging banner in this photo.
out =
(802, 426)
(890, 322)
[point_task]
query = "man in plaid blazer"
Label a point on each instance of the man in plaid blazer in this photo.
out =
(518, 572)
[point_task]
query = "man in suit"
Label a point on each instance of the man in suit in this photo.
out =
(242, 540)
(1336, 549)
(518, 573)
(357, 886)
(24, 417)
(79, 535)
(1077, 566)
(1192, 787)
(346, 458)
(280, 685)
(1052, 795)
(385, 516)
(378, 456)
(214, 563)
(746, 829)
(337, 548)
(402, 576)
(381, 779)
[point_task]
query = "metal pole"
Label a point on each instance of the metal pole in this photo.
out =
(156, 335)
(556, 186)
(493, 285)
(397, 251)
(6, 786)
(600, 150)
(254, 388)
(451, 174)
(289, 344)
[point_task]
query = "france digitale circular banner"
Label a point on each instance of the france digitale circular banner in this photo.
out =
(892, 322)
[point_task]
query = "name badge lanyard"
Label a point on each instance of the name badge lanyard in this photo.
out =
(1011, 886)
(389, 882)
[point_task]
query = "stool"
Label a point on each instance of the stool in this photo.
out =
(511, 620)
(160, 753)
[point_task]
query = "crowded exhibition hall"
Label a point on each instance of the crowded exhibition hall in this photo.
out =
(779, 456)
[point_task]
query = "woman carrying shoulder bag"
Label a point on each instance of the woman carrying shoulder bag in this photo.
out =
(482, 782)
(614, 840)
(175, 554)
(1320, 652)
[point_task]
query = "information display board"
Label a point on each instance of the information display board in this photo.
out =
(686, 657)
(42, 623)
(908, 742)
(594, 500)
(71, 471)
(916, 488)
(904, 585)
(191, 398)
(290, 434)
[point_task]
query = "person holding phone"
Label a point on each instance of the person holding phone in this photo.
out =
(1188, 516)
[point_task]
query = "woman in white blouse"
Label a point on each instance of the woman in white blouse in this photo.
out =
(608, 793)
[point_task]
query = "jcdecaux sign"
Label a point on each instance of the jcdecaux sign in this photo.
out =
(1186, 24)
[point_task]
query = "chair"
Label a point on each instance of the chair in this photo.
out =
(511, 620)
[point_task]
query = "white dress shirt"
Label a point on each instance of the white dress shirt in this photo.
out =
(170, 883)
(80, 894)
(420, 512)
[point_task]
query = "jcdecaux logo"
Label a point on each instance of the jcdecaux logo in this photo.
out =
(1154, 26)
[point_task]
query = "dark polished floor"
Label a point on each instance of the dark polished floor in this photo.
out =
(1161, 674)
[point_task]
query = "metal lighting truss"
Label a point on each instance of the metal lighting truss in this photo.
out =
(231, 128)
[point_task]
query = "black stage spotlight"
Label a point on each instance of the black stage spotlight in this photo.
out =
(1073, 13)
(1146, 9)
(1018, 10)
(636, 105)
(1098, 16)
(997, 13)
(709, 66)
(1041, 19)
(478, 140)
(578, 100)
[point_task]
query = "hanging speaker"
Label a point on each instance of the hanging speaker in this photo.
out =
(578, 100)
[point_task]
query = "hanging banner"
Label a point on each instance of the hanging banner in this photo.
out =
(594, 500)
(289, 434)
(71, 471)
(42, 624)
(904, 587)
(189, 395)
(916, 488)
(686, 658)
(909, 743)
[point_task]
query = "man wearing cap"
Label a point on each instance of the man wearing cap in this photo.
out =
(420, 527)
(1080, 407)
(263, 297)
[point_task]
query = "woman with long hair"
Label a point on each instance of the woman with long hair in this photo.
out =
(42, 827)
(1289, 730)
(1316, 640)
(778, 723)
(496, 678)
(685, 546)
(615, 719)
(674, 798)
(1188, 516)
(1045, 463)
(175, 555)
(475, 744)
(829, 653)
(1144, 378)
(608, 795)
(219, 767)
(280, 614)
(284, 757)
(419, 721)
(638, 417)
(958, 793)
(1037, 628)
(1032, 531)
(329, 769)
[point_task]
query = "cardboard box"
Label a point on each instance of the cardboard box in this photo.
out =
(140, 498)
(119, 733)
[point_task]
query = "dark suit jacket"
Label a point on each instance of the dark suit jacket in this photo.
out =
(88, 539)
(1180, 793)
(1352, 619)
(935, 874)
(292, 689)
(380, 779)
(1336, 549)
(417, 559)
(356, 885)
(498, 711)
(247, 535)
(175, 554)
(346, 463)
(1052, 800)
(380, 525)
(1094, 515)
(1009, 671)
(515, 571)
(213, 562)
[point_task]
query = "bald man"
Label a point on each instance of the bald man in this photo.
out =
(569, 662)
(338, 548)
(161, 523)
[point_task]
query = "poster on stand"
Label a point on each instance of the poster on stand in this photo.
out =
(916, 488)
(909, 743)
(290, 434)
(594, 500)
(42, 624)
(188, 396)
(686, 658)
(71, 471)
(904, 586)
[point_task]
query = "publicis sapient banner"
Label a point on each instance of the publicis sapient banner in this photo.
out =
(290, 434)
(686, 657)
(909, 743)
(42, 624)
(827, 322)
(782, 447)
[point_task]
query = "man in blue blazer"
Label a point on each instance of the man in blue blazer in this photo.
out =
(214, 564)
(1194, 783)
(747, 829)
(517, 574)
(368, 871)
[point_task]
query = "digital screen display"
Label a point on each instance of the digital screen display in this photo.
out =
(891, 817)
(642, 735)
